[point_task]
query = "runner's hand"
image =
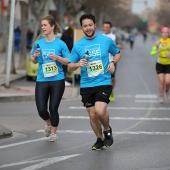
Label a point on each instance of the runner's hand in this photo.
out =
(53, 57)
(83, 62)
(111, 67)
(36, 53)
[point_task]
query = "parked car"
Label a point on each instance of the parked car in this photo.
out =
(31, 69)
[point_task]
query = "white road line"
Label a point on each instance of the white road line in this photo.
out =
(114, 132)
(146, 96)
(125, 96)
(84, 132)
(43, 162)
(125, 108)
(146, 101)
(21, 143)
(165, 168)
(120, 118)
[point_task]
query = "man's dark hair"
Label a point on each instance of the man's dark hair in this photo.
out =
(108, 22)
(87, 16)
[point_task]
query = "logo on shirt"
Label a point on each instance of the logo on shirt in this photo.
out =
(94, 50)
(46, 53)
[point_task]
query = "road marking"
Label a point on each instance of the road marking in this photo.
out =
(21, 143)
(114, 132)
(141, 96)
(79, 132)
(165, 168)
(125, 96)
(120, 118)
(146, 101)
(146, 96)
(125, 108)
(43, 162)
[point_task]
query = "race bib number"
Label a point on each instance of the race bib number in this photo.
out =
(50, 69)
(94, 68)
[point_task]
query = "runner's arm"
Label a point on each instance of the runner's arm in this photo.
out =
(34, 57)
(75, 66)
(59, 58)
(154, 49)
(117, 57)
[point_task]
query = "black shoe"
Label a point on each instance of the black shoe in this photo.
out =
(98, 145)
(108, 141)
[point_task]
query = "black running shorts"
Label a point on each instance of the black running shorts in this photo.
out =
(162, 69)
(91, 95)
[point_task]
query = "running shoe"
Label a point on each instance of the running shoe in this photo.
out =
(98, 145)
(112, 97)
(167, 95)
(108, 141)
(53, 137)
(161, 100)
(67, 83)
(47, 130)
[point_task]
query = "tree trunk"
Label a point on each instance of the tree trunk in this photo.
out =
(24, 28)
(37, 8)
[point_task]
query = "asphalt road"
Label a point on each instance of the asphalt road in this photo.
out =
(140, 126)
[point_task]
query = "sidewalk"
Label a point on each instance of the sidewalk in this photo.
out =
(21, 93)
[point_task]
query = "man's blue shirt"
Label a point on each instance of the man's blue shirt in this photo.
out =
(98, 49)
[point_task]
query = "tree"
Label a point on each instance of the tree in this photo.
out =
(24, 18)
(163, 17)
(103, 10)
(37, 8)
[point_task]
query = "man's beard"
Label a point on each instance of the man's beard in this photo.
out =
(89, 36)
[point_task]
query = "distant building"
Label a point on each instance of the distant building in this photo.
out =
(126, 5)
(163, 5)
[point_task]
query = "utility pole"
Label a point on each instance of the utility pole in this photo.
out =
(10, 43)
(61, 7)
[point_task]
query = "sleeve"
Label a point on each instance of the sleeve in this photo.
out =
(153, 51)
(74, 57)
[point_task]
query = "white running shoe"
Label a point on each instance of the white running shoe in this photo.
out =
(167, 95)
(161, 100)
(47, 130)
(67, 83)
(53, 137)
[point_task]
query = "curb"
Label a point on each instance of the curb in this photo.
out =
(4, 132)
(31, 97)
(21, 98)
(13, 77)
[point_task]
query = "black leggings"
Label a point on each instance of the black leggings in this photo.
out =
(49, 90)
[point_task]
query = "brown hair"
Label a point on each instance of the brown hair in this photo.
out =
(52, 22)
(87, 16)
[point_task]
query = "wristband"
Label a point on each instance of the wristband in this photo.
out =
(114, 62)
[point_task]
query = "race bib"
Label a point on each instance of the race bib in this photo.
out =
(50, 69)
(94, 68)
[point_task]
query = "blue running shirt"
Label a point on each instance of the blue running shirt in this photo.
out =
(96, 73)
(57, 47)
